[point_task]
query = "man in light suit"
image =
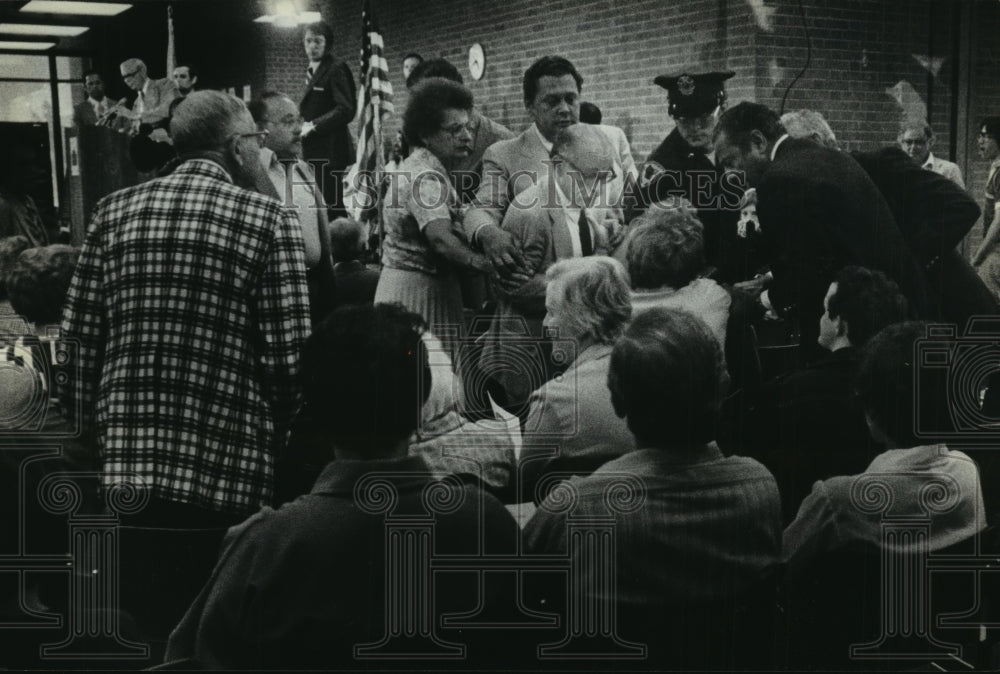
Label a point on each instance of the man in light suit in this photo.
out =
(552, 99)
(327, 107)
(153, 97)
(568, 213)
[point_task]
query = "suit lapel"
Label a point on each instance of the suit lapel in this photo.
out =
(321, 71)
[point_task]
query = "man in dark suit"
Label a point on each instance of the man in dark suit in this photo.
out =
(818, 211)
(328, 106)
(934, 214)
(96, 104)
(808, 425)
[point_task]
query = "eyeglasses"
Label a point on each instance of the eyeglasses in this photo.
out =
(261, 136)
(125, 76)
(287, 120)
(456, 130)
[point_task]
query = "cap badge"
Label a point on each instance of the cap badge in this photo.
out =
(685, 84)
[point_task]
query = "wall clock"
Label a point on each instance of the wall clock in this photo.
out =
(477, 61)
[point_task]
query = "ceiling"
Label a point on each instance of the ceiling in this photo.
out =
(129, 26)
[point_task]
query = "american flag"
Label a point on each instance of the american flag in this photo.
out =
(374, 101)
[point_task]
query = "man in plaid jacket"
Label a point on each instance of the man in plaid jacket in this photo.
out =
(191, 307)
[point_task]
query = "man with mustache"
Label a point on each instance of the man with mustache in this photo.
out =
(552, 99)
(295, 183)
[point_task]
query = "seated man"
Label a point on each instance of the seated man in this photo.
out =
(808, 425)
(301, 586)
(570, 420)
(355, 283)
(708, 524)
(840, 510)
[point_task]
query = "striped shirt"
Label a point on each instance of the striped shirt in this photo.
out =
(707, 525)
(190, 308)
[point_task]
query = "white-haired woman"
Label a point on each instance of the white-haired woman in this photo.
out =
(587, 304)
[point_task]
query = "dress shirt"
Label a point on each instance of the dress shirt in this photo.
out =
(300, 196)
(945, 168)
(571, 216)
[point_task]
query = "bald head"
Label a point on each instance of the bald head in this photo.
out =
(586, 147)
(206, 120)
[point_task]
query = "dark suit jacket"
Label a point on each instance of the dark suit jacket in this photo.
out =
(807, 426)
(934, 215)
(83, 114)
(329, 102)
(819, 211)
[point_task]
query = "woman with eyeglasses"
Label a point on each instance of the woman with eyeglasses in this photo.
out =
(423, 249)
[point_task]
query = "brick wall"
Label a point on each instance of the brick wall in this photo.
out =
(860, 48)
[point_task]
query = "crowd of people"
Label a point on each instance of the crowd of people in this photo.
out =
(551, 320)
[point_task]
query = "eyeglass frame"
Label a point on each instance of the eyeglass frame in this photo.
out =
(261, 135)
(135, 72)
(456, 133)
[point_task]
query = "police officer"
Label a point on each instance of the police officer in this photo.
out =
(684, 165)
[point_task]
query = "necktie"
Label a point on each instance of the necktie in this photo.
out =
(309, 74)
(586, 242)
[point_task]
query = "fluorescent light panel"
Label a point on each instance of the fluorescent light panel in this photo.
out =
(42, 29)
(70, 7)
(284, 20)
(26, 46)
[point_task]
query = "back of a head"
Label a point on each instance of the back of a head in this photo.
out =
(547, 66)
(809, 124)
(738, 121)
(585, 144)
(346, 242)
(666, 378)
(365, 372)
(594, 295)
(39, 280)
(433, 68)
(666, 248)
(897, 394)
(206, 120)
(590, 113)
(868, 300)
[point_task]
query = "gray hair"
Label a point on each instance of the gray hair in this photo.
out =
(666, 248)
(133, 64)
(206, 120)
(809, 124)
(915, 125)
(595, 292)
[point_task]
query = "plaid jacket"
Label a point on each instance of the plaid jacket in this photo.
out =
(191, 307)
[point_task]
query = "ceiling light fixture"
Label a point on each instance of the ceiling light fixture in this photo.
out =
(26, 46)
(72, 7)
(42, 29)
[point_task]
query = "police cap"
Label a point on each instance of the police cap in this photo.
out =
(691, 94)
